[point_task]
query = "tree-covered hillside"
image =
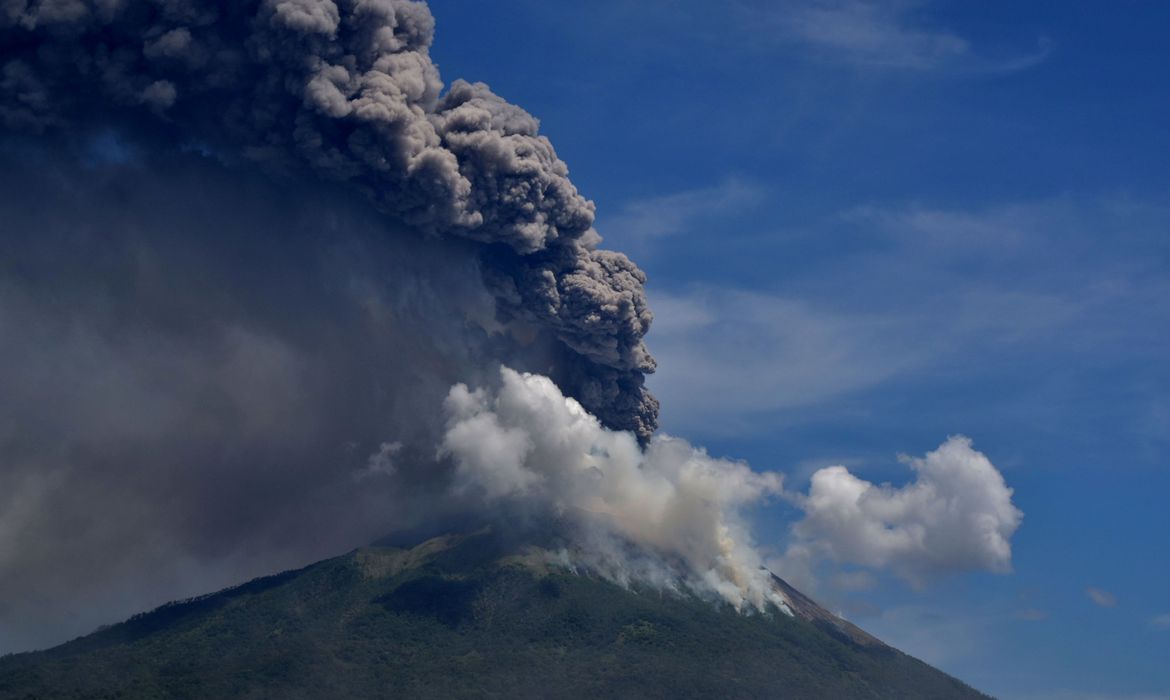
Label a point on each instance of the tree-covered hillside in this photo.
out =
(464, 616)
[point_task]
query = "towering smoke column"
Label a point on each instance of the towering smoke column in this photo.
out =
(261, 283)
(346, 92)
(247, 248)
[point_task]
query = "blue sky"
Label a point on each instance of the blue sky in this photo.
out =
(869, 227)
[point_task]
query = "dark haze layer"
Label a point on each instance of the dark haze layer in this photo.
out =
(198, 372)
(346, 91)
(245, 251)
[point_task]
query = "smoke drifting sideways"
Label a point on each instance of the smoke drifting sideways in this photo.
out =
(528, 444)
(532, 450)
(202, 375)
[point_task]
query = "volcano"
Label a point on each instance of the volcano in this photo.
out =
(471, 615)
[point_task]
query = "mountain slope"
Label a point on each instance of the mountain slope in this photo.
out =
(468, 616)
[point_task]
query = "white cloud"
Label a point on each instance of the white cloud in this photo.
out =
(916, 290)
(957, 515)
(882, 34)
(853, 581)
(1064, 232)
(723, 354)
(942, 637)
(679, 212)
(954, 233)
(1160, 622)
(528, 445)
(672, 516)
(1101, 597)
(380, 463)
(875, 33)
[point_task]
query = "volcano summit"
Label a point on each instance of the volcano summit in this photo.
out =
(471, 616)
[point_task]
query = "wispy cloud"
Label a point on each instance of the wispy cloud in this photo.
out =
(680, 212)
(1160, 622)
(1101, 597)
(728, 352)
(916, 290)
(940, 637)
(852, 581)
(883, 35)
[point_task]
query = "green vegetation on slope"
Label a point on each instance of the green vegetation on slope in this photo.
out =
(455, 617)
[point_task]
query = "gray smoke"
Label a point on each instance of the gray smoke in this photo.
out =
(346, 92)
(199, 369)
(259, 274)
(245, 251)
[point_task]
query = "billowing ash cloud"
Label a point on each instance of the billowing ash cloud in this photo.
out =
(248, 247)
(246, 251)
(529, 446)
(203, 374)
(346, 92)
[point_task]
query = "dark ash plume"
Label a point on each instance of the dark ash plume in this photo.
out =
(246, 249)
(346, 92)
(259, 275)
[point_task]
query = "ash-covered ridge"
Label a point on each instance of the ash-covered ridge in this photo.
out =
(347, 92)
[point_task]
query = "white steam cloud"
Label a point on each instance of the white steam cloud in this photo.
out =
(679, 509)
(247, 247)
(957, 515)
(671, 514)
